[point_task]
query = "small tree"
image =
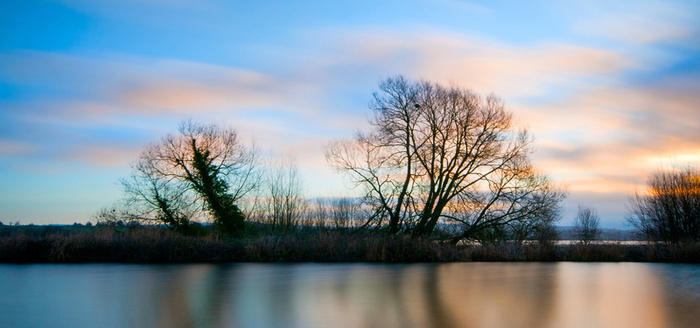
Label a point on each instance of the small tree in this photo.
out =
(586, 225)
(285, 201)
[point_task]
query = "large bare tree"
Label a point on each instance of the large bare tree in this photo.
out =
(438, 153)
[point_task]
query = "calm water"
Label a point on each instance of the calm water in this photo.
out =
(351, 295)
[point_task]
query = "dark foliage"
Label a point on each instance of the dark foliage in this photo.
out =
(214, 189)
(154, 244)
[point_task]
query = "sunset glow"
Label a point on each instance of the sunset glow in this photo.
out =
(609, 92)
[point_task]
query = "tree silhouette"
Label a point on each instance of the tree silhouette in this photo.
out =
(443, 154)
(586, 225)
(669, 210)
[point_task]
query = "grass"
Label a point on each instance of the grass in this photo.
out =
(146, 244)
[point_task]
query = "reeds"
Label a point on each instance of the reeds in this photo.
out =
(149, 244)
(110, 244)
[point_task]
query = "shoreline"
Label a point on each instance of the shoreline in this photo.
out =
(160, 245)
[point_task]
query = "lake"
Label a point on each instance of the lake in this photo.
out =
(351, 295)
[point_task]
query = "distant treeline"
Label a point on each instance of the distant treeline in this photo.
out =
(157, 244)
(603, 234)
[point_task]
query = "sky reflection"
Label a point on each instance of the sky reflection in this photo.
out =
(352, 295)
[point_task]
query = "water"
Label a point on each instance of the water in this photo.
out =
(351, 295)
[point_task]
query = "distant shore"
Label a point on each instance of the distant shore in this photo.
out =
(148, 244)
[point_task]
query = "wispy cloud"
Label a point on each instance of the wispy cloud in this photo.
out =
(486, 65)
(640, 22)
(140, 85)
(115, 89)
(618, 135)
(14, 148)
(104, 154)
(130, 96)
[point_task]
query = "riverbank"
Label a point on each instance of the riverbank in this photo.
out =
(109, 244)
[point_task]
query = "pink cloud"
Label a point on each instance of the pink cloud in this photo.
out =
(105, 154)
(186, 86)
(185, 96)
(118, 84)
(16, 148)
(487, 66)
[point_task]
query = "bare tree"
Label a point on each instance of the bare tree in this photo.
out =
(587, 225)
(202, 166)
(319, 213)
(345, 212)
(285, 201)
(670, 209)
(433, 149)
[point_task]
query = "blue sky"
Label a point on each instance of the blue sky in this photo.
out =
(610, 91)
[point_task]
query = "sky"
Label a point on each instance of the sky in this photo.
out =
(609, 90)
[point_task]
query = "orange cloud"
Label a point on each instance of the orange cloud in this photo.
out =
(212, 90)
(612, 138)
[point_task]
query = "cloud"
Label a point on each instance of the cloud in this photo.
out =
(485, 65)
(641, 22)
(105, 154)
(609, 139)
(143, 85)
(187, 96)
(118, 91)
(10, 148)
(125, 85)
(184, 85)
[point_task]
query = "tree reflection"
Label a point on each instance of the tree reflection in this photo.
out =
(353, 295)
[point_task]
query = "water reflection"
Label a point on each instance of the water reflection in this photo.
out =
(351, 295)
